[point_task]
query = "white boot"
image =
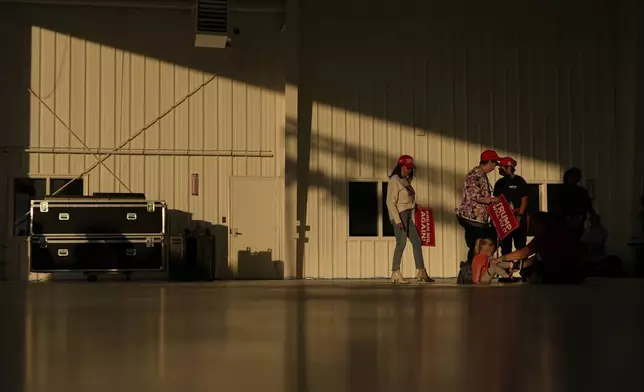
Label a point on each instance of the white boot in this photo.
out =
(396, 277)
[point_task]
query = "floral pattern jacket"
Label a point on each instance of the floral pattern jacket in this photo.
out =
(475, 188)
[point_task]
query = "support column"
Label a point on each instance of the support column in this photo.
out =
(291, 98)
(295, 369)
(629, 115)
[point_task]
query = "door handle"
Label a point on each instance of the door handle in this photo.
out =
(236, 232)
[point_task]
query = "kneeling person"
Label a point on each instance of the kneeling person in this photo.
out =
(554, 255)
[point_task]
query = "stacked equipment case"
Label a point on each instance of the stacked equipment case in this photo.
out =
(191, 258)
(111, 233)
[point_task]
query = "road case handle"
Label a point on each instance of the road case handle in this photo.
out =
(63, 252)
(130, 216)
(63, 216)
(130, 252)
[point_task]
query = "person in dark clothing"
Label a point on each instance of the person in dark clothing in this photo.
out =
(554, 254)
(641, 216)
(515, 190)
(572, 204)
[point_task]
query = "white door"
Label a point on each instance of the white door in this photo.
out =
(254, 212)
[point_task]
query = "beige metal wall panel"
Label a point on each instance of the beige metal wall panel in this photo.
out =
(538, 82)
(106, 85)
(425, 79)
(115, 93)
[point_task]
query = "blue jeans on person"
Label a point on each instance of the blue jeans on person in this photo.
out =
(409, 231)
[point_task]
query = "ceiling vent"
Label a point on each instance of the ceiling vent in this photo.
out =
(211, 24)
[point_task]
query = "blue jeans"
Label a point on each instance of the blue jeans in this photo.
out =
(408, 231)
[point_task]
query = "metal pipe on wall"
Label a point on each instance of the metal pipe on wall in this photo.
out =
(169, 5)
(105, 151)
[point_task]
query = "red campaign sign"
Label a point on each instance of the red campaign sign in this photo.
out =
(425, 225)
(502, 217)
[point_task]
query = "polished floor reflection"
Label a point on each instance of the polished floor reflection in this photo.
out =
(320, 336)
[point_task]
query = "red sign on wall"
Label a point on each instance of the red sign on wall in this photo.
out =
(425, 225)
(502, 217)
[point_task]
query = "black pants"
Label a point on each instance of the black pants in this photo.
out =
(473, 232)
(553, 272)
(518, 236)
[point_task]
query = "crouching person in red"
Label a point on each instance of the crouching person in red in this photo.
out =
(554, 254)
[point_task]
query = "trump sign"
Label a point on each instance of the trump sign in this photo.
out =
(425, 226)
(502, 217)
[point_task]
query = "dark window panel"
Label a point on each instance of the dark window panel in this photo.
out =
(387, 227)
(363, 209)
(554, 191)
(26, 190)
(73, 189)
(534, 204)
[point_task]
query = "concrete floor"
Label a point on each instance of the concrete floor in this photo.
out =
(321, 336)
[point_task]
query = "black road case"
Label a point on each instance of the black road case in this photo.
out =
(94, 216)
(96, 255)
(191, 258)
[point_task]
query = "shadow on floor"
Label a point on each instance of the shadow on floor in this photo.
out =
(259, 265)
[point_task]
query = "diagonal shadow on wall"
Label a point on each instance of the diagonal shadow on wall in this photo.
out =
(502, 77)
(541, 71)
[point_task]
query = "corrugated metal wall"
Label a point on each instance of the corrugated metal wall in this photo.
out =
(106, 96)
(106, 86)
(444, 82)
(439, 80)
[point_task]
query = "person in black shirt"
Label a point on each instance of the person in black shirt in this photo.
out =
(515, 190)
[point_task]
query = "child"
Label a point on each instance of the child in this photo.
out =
(482, 271)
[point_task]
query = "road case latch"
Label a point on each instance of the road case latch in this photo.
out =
(44, 206)
(42, 242)
(151, 206)
(149, 242)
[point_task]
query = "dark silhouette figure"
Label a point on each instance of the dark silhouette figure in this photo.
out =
(641, 216)
(572, 203)
(554, 255)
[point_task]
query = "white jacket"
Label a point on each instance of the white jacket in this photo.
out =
(400, 197)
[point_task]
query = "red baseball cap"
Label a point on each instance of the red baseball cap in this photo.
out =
(407, 161)
(508, 161)
(490, 155)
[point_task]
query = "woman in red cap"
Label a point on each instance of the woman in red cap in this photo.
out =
(477, 195)
(401, 203)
